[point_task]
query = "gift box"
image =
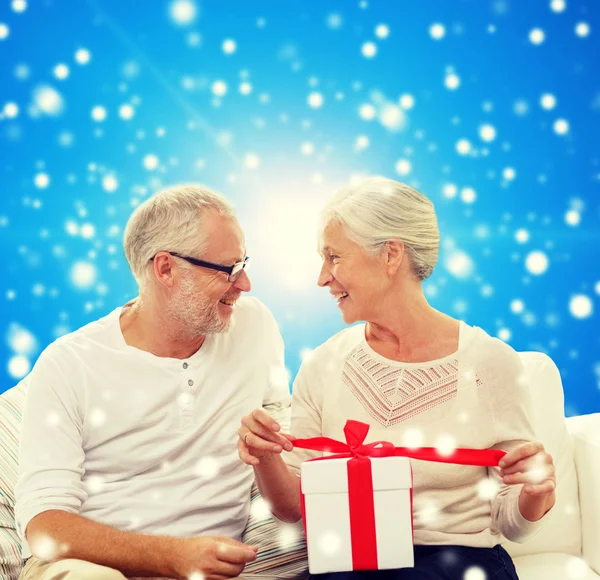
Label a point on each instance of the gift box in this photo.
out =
(357, 503)
(360, 524)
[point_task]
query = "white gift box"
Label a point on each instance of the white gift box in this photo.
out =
(327, 514)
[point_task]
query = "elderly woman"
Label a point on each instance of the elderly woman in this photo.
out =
(418, 377)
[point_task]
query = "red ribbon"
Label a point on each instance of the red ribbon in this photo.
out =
(360, 479)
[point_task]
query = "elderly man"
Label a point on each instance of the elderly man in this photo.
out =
(128, 461)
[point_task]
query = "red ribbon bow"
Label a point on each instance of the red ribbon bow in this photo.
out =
(360, 478)
(356, 433)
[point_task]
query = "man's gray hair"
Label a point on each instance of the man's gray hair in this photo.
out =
(170, 220)
(376, 210)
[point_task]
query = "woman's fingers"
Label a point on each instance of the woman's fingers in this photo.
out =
(520, 452)
(535, 475)
(544, 488)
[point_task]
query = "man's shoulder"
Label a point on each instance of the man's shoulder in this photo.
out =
(80, 340)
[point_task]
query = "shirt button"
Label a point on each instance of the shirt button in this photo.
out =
(185, 365)
(190, 382)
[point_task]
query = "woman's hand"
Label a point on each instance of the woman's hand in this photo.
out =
(530, 465)
(260, 436)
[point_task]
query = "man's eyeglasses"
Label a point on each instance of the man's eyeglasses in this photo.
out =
(233, 272)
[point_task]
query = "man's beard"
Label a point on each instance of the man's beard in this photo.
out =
(190, 314)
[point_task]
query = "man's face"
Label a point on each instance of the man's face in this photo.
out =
(203, 300)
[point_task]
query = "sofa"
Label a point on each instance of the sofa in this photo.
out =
(567, 547)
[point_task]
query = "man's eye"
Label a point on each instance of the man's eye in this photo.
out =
(333, 257)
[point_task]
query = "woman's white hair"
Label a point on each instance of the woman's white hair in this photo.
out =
(376, 210)
(170, 220)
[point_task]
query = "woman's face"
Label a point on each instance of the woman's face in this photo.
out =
(355, 279)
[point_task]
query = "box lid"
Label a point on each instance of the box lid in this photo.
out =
(331, 475)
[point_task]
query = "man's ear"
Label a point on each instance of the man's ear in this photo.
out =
(162, 266)
(394, 252)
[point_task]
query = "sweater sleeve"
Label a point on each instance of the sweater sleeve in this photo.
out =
(509, 392)
(307, 404)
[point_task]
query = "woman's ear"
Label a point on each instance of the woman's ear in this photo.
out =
(394, 251)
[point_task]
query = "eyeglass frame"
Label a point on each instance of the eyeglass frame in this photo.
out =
(237, 268)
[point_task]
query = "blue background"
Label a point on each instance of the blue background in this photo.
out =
(518, 201)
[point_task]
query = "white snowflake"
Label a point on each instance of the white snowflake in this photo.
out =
(561, 126)
(426, 513)
(251, 161)
(392, 117)
(487, 133)
(61, 71)
(475, 573)
(150, 162)
(207, 468)
(44, 547)
(581, 306)
(582, 29)
(437, 31)
(315, 100)
(382, 31)
(48, 100)
(487, 489)
(97, 417)
(412, 438)
(98, 113)
(367, 112)
(329, 543)
(260, 509)
(41, 180)
(361, 143)
(403, 167)
(463, 147)
(18, 366)
(446, 445)
(83, 274)
(183, 12)
(82, 56)
(536, 262)
(452, 81)
(459, 264)
(449, 190)
(536, 36)
(572, 217)
(219, 88)
(509, 173)
(229, 46)
(95, 484)
(468, 195)
(369, 49)
(126, 112)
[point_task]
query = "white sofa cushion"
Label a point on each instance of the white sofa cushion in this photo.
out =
(553, 566)
(11, 405)
(585, 434)
(562, 530)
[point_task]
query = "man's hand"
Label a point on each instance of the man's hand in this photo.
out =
(529, 464)
(260, 436)
(210, 558)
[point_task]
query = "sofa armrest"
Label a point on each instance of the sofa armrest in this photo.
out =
(585, 432)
